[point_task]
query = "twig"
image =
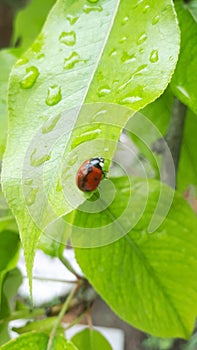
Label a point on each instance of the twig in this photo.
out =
(60, 316)
(172, 142)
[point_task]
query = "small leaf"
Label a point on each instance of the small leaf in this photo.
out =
(90, 339)
(184, 80)
(147, 279)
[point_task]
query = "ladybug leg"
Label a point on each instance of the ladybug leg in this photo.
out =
(104, 174)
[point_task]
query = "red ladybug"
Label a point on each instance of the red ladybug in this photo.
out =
(90, 174)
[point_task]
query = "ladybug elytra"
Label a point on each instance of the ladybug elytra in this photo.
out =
(90, 174)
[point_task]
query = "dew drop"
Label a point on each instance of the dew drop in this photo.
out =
(68, 38)
(126, 57)
(105, 90)
(50, 124)
(31, 196)
(21, 61)
(73, 160)
(142, 38)
(88, 9)
(72, 19)
(38, 44)
(131, 99)
(155, 20)
(93, 1)
(84, 136)
(141, 50)
(146, 8)
(28, 181)
(99, 116)
(38, 160)
(72, 60)
(59, 186)
(125, 20)
(30, 77)
(141, 68)
(113, 53)
(123, 39)
(53, 95)
(41, 55)
(154, 56)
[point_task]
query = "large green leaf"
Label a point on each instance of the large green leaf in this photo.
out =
(68, 63)
(38, 341)
(29, 21)
(184, 81)
(157, 116)
(148, 279)
(7, 58)
(90, 339)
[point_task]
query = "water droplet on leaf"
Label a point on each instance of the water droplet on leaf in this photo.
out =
(72, 19)
(154, 56)
(88, 9)
(50, 124)
(59, 186)
(105, 90)
(53, 95)
(28, 181)
(155, 20)
(126, 57)
(30, 77)
(72, 60)
(123, 39)
(92, 1)
(37, 160)
(125, 20)
(31, 196)
(68, 38)
(21, 61)
(113, 53)
(145, 9)
(142, 38)
(73, 160)
(131, 99)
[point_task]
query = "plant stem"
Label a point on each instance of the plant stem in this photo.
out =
(60, 316)
(67, 263)
(174, 134)
(172, 142)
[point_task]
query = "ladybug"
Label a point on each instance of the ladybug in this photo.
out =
(90, 174)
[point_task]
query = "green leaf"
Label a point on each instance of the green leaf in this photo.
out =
(9, 249)
(10, 286)
(60, 343)
(32, 341)
(29, 21)
(9, 252)
(148, 279)
(184, 80)
(155, 118)
(44, 326)
(38, 341)
(7, 58)
(90, 339)
(67, 64)
(192, 7)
